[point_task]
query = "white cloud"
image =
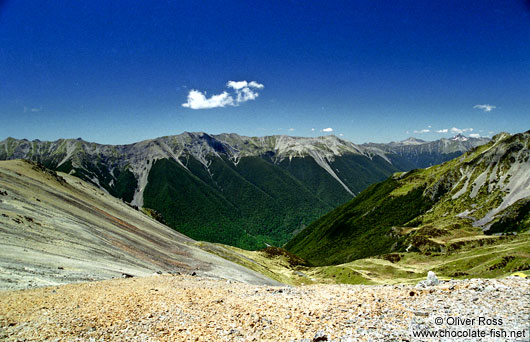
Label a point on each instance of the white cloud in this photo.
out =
(460, 131)
(445, 130)
(197, 100)
(341, 135)
(33, 110)
(246, 94)
(327, 130)
(485, 107)
(422, 131)
(474, 135)
(291, 129)
(312, 129)
(254, 84)
(237, 84)
(244, 91)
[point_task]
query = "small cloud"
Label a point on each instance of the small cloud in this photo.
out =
(246, 94)
(429, 126)
(422, 131)
(445, 130)
(254, 84)
(198, 100)
(33, 110)
(244, 91)
(312, 129)
(485, 107)
(474, 135)
(237, 84)
(341, 135)
(291, 129)
(327, 130)
(455, 130)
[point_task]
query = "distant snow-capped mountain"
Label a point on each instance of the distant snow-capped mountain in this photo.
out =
(460, 137)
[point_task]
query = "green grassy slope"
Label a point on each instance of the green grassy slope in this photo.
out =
(360, 228)
(497, 257)
(428, 210)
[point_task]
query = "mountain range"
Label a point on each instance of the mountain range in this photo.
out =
(237, 190)
(476, 199)
(417, 153)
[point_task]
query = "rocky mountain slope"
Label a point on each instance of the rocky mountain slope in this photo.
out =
(56, 228)
(463, 202)
(242, 191)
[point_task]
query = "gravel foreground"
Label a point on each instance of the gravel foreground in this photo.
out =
(186, 308)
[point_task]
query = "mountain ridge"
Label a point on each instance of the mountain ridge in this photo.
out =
(484, 191)
(261, 189)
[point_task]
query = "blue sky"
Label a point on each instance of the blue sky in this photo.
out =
(121, 71)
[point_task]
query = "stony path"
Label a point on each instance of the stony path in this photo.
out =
(186, 308)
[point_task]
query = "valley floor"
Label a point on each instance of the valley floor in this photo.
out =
(186, 308)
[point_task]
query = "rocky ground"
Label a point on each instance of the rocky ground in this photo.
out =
(187, 308)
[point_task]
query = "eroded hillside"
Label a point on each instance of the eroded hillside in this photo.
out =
(56, 228)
